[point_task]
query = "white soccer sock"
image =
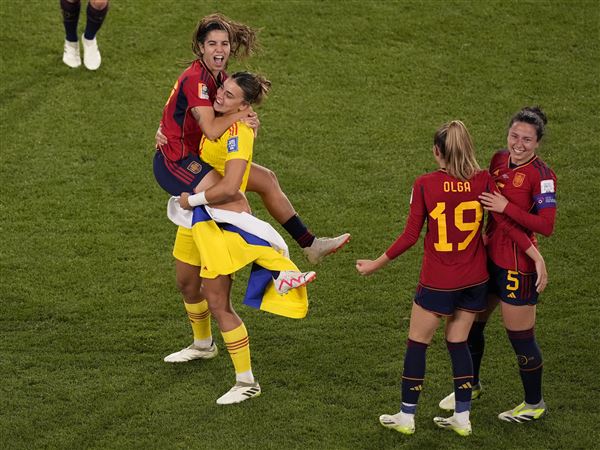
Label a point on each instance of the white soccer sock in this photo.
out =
(203, 343)
(245, 377)
(462, 417)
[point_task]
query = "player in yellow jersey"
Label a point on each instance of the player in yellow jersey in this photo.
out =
(231, 155)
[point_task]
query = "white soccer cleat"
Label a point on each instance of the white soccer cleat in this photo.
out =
(523, 413)
(450, 423)
(91, 54)
(191, 353)
(447, 403)
(321, 247)
(239, 393)
(71, 55)
(401, 422)
(290, 279)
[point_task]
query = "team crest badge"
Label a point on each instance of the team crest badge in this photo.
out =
(195, 167)
(203, 91)
(518, 179)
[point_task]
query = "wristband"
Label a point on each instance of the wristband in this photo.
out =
(197, 199)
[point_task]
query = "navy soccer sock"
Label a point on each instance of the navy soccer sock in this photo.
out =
(413, 374)
(95, 18)
(70, 12)
(462, 372)
(296, 228)
(530, 363)
(476, 343)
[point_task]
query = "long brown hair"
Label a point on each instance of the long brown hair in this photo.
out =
(242, 38)
(456, 147)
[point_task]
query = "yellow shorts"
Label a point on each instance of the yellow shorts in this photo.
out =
(184, 249)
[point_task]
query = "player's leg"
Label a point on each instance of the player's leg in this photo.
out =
(70, 11)
(235, 335)
(476, 343)
(264, 182)
(423, 324)
(519, 321)
(457, 330)
(187, 270)
(96, 13)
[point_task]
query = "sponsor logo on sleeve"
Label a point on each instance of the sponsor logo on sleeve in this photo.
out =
(547, 186)
(203, 91)
(232, 144)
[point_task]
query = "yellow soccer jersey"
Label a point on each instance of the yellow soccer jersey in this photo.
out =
(236, 143)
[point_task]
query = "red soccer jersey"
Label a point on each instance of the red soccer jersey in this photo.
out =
(195, 87)
(531, 191)
(454, 256)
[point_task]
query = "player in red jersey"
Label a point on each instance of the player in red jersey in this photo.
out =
(453, 280)
(188, 114)
(528, 197)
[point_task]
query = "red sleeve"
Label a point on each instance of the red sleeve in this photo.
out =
(542, 222)
(196, 93)
(414, 224)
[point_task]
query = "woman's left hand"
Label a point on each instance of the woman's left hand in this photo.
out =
(183, 200)
(495, 201)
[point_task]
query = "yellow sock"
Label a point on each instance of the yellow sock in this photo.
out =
(238, 347)
(199, 316)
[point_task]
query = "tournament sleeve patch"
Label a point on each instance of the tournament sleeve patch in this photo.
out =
(547, 186)
(203, 91)
(546, 200)
(232, 144)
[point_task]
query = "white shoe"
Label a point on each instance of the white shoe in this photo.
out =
(403, 423)
(524, 413)
(450, 423)
(191, 353)
(322, 247)
(448, 402)
(91, 54)
(71, 55)
(239, 392)
(290, 279)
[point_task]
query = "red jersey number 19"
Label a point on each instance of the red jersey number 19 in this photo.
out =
(439, 215)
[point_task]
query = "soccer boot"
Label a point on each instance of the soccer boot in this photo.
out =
(290, 279)
(524, 413)
(401, 422)
(191, 353)
(239, 392)
(91, 54)
(447, 402)
(71, 55)
(450, 423)
(322, 247)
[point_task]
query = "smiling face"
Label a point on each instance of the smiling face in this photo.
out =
(230, 98)
(522, 142)
(216, 50)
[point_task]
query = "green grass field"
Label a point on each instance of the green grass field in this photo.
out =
(89, 306)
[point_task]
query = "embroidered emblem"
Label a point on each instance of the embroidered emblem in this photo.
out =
(518, 179)
(195, 167)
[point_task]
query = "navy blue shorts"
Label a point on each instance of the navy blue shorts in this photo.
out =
(180, 176)
(444, 303)
(511, 286)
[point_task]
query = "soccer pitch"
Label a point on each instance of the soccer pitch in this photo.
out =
(88, 302)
